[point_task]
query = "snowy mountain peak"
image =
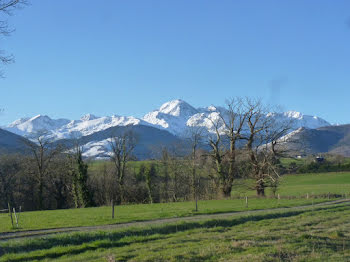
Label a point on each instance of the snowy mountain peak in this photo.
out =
(293, 114)
(41, 118)
(177, 107)
(172, 116)
(38, 123)
(212, 108)
(88, 117)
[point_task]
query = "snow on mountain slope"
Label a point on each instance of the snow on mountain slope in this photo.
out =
(63, 128)
(300, 120)
(171, 116)
(87, 126)
(175, 116)
(39, 123)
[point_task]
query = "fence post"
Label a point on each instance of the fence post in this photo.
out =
(246, 201)
(14, 212)
(112, 208)
(307, 196)
(10, 213)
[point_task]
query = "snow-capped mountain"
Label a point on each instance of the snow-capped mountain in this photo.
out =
(64, 128)
(171, 122)
(39, 123)
(299, 120)
(175, 116)
(172, 116)
(90, 124)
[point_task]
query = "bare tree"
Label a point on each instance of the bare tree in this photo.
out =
(172, 166)
(234, 120)
(122, 147)
(265, 144)
(196, 137)
(229, 125)
(217, 155)
(6, 9)
(43, 152)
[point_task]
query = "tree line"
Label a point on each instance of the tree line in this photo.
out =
(244, 142)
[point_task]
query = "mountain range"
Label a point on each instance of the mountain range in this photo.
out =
(174, 116)
(168, 124)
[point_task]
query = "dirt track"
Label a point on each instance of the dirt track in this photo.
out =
(46, 232)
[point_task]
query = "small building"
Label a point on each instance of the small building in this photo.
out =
(319, 159)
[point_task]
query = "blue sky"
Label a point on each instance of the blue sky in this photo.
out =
(128, 57)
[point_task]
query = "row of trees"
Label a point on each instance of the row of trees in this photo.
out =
(45, 178)
(244, 143)
(50, 180)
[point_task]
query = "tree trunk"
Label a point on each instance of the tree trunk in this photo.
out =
(226, 189)
(260, 189)
(122, 192)
(41, 198)
(149, 192)
(112, 204)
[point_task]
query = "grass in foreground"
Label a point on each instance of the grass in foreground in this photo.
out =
(322, 234)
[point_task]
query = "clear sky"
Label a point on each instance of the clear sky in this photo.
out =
(128, 57)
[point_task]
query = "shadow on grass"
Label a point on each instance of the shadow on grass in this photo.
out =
(76, 243)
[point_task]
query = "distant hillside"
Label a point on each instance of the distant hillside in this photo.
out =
(150, 140)
(11, 143)
(330, 139)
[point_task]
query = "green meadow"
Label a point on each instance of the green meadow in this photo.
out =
(129, 213)
(299, 185)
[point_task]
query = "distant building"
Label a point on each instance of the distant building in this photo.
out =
(319, 159)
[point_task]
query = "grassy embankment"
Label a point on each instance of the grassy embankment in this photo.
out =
(320, 234)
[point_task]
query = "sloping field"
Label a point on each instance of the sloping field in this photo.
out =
(310, 234)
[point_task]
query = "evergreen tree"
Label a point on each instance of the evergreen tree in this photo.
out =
(81, 194)
(84, 193)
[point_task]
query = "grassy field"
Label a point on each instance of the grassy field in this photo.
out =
(321, 234)
(298, 161)
(291, 185)
(298, 185)
(128, 213)
(301, 184)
